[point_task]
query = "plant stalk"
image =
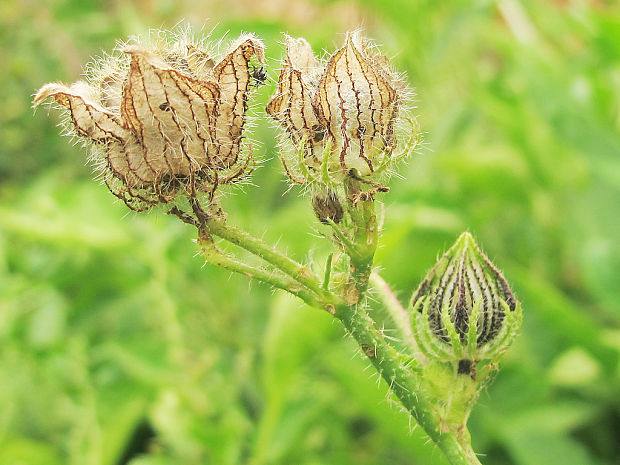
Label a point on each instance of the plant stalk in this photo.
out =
(270, 254)
(403, 380)
(216, 257)
(397, 314)
(404, 384)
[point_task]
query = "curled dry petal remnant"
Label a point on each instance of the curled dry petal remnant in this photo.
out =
(164, 117)
(464, 309)
(327, 207)
(338, 116)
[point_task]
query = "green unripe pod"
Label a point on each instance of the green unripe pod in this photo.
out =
(464, 310)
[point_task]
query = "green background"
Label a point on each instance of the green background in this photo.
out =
(118, 345)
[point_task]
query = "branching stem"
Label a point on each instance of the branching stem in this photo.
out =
(405, 385)
(270, 254)
(299, 280)
(216, 257)
(397, 314)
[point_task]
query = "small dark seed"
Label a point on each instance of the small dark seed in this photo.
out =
(318, 133)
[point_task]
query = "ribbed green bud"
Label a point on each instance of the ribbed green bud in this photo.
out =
(464, 310)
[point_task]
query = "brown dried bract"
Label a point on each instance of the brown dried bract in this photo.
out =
(347, 106)
(169, 120)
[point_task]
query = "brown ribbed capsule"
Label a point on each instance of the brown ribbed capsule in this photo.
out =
(341, 114)
(167, 118)
(291, 105)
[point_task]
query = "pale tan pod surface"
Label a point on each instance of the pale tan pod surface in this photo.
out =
(116, 153)
(166, 117)
(378, 100)
(389, 88)
(356, 102)
(232, 74)
(291, 105)
(143, 93)
(89, 118)
(196, 113)
(134, 155)
(172, 113)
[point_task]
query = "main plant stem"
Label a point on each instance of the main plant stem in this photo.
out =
(397, 314)
(363, 238)
(404, 384)
(289, 275)
(403, 379)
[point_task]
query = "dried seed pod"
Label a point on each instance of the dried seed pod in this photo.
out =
(338, 116)
(165, 118)
(291, 105)
(464, 310)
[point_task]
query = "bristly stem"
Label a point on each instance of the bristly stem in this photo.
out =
(404, 384)
(364, 237)
(216, 257)
(295, 278)
(397, 314)
(270, 254)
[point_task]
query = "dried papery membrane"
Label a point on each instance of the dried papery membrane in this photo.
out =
(166, 118)
(292, 105)
(340, 115)
(358, 105)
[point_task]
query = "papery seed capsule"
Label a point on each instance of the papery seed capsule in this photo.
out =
(464, 310)
(341, 115)
(163, 117)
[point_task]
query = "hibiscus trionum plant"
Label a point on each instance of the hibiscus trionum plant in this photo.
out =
(166, 118)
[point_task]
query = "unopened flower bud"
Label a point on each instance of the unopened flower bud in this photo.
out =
(163, 117)
(338, 116)
(464, 311)
(327, 207)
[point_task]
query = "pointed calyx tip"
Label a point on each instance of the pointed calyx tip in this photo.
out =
(464, 308)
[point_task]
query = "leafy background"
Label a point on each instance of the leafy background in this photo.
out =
(118, 346)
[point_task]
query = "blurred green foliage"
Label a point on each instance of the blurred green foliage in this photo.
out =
(118, 346)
